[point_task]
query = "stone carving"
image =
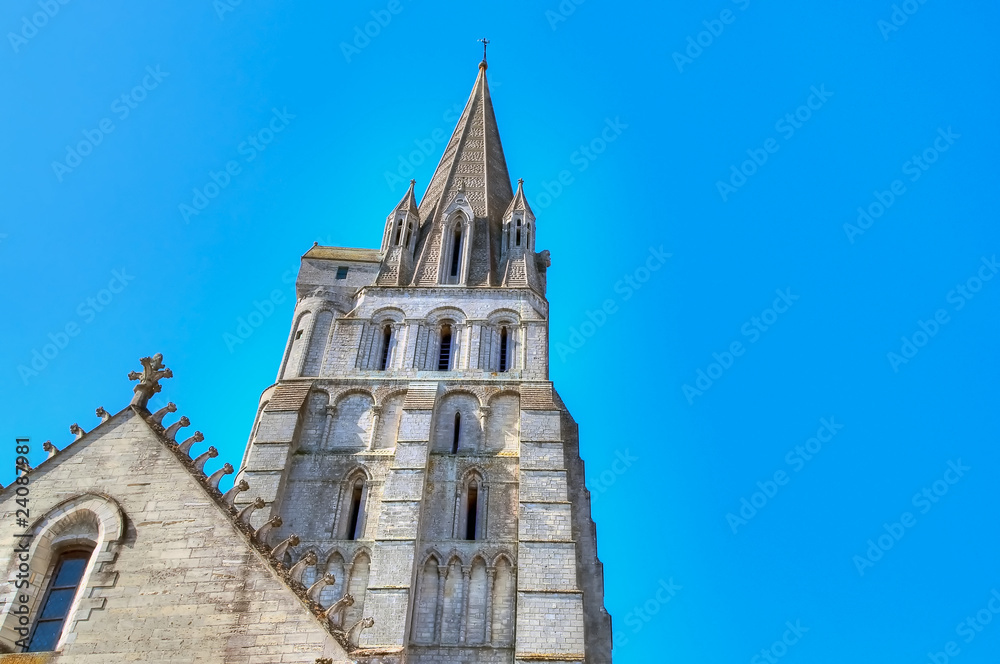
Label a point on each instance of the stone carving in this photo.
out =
(229, 497)
(103, 414)
(247, 512)
(216, 477)
(199, 463)
(262, 533)
(354, 633)
(335, 613)
(185, 447)
(50, 448)
(316, 588)
(157, 417)
(153, 372)
(279, 551)
(299, 568)
(77, 431)
(171, 431)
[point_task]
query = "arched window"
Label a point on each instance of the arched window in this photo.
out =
(456, 251)
(457, 435)
(471, 517)
(517, 232)
(66, 576)
(409, 232)
(471, 510)
(444, 352)
(355, 510)
(383, 362)
(503, 348)
(399, 230)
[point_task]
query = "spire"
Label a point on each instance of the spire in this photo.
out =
(409, 200)
(519, 202)
(473, 174)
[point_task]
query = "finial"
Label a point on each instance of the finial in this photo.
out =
(485, 43)
(149, 380)
(520, 182)
(412, 182)
(315, 243)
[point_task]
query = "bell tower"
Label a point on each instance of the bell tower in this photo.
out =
(413, 441)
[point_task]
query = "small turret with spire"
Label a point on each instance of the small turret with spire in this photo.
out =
(399, 241)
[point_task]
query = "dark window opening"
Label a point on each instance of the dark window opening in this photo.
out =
(355, 513)
(458, 433)
(456, 252)
(409, 231)
(298, 335)
(341, 272)
(399, 230)
(444, 356)
(471, 511)
(517, 232)
(386, 343)
(503, 349)
(55, 609)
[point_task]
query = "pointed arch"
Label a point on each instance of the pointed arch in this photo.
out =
(470, 506)
(502, 627)
(426, 606)
(335, 566)
(353, 501)
(452, 598)
(357, 585)
(475, 610)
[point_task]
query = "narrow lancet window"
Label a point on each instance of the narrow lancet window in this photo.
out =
(456, 251)
(457, 434)
(399, 230)
(409, 232)
(471, 510)
(517, 232)
(444, 354)
(383, 363)
(503, 348)
(66, 577)
(354, 514)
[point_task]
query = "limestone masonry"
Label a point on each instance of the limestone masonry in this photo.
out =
(412, 490)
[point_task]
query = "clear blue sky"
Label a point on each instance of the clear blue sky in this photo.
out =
(911, 109)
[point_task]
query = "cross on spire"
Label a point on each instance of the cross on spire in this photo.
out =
(485, 43)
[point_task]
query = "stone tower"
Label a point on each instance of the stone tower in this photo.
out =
(413, 441)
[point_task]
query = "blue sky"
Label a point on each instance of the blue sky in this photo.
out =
(747, 136)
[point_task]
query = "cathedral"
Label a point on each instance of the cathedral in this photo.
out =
(411, 491)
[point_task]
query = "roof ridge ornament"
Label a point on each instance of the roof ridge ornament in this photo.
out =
(149, 380)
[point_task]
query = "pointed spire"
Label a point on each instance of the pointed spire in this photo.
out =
(473, 165)
(409, 201)
(520, 202)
